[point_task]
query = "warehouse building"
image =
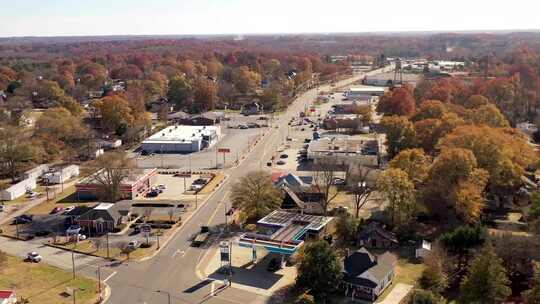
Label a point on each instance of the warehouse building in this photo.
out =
(137, 183)
(363, 92)
(18, 189)
(178, 139)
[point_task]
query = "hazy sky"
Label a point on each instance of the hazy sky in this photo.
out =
(147, 17)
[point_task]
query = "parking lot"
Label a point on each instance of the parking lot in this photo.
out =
(236, 140)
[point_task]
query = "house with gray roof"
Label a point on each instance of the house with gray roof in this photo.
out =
(366, 276)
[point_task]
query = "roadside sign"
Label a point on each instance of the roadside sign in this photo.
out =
(224, 150)
(224, 251)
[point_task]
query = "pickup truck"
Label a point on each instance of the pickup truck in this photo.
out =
(201, 237)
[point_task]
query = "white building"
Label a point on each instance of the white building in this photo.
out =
(36, 172)
(18, 190)
(182, 139)
(362, 92)
(62, 175)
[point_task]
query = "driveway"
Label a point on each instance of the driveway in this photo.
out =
(398, 293)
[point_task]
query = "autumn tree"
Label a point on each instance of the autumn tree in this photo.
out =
(271, 97)
(127, 72)
(205, 95)
(399, 101)
(430, 109)
(414, 162)
(489, 115)
(245, 80)
(319, 269)
(398, 189)
(454, 178)
(255, 195)
(116, 114)
(400, 134)
(16, 150)
(504, 153)
(180, 91)
(486, 280)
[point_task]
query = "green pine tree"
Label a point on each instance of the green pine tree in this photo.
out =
(486, 281)
(319, 269)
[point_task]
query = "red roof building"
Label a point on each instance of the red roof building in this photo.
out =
(7, 297)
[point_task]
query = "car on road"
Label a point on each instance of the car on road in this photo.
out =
(56, 210)
(201, 237)
(33, 257)
(280, 162)
(273, 265)
(283, 156)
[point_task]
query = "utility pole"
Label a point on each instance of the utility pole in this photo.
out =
(73, 257)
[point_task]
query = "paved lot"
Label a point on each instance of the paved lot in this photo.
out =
(237, 140)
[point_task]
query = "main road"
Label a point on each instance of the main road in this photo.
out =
(173, 270)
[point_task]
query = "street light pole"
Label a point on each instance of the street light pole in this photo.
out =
(73, 258)
(168, 294)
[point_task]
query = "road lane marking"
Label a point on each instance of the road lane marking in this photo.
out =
(110, 276)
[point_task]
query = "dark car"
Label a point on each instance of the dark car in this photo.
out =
(307, 140)
(22, 219)
(283, 156)
(152, 193)
(273, 265)
(269, 164)
(57, 210)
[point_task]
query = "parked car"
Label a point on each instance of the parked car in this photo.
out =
(22, 219)
(280, 162)
(273, 265)
(162, 187)
(269, 164)
(152, 193)
(34, 257)
(31, 195)
(338, 181)
(69, 209)
(56, 210)
(1, 208)
(243, 127)
(198, 184)
(133, 244)
(283, 156)
(307, 140)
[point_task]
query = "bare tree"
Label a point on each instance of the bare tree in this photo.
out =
(98, 243)
(115, 167)
(323, 183)
(360, 186)
(124, 248)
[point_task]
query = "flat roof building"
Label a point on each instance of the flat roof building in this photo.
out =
(138, 182)
(343, 151)
(360, 92)
(284, 232)
(182, 138)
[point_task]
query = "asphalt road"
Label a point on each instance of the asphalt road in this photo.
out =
(173, 269)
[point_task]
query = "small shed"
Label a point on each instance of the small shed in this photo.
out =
(423, 250)
(375, 236)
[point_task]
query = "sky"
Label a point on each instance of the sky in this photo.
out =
(171, 17)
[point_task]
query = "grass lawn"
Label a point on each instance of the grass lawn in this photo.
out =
(41, 283)
(406, 273)
(212, 184)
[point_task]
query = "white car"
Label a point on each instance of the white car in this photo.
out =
(33, 257)
(161, 187)
(69, 209)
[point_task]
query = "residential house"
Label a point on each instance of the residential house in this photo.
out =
(105, 217)
(366, 276)
(375, 236)
(294, 181)
(302, 200)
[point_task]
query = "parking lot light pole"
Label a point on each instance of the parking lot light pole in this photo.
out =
(168, 294)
